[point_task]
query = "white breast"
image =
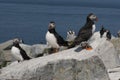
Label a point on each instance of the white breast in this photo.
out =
(104, 35)
(16, 53)
(93, 28)
(52, 41)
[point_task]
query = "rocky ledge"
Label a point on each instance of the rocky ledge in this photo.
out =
(72, 64)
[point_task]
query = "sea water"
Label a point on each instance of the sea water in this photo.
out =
(28, 19)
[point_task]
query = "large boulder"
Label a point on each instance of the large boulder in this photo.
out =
(38, 49)
(5, 55)
(71, 64)
(116, 43)
(65, 65)
(106, 50)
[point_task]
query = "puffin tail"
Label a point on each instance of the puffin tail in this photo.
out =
(66, 43)
(71, 46)
(27, 57)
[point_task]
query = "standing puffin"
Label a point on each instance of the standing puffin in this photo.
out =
(105, 33)
(54, 39)
(118, 34)
(102, 31)
(18, 52)
(108, 34)
(70, 35)
(86, 31)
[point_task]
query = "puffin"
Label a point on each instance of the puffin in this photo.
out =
(108, 34)
(118, 34)
(17, 52)
(105, 33)
(54, 39)
(86, 31)
(70, 35)
(102, 31)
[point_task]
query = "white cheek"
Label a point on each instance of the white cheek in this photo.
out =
(93, 28)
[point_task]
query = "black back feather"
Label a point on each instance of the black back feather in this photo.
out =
(60, 40)
(102, 31)
(108, 35)
(22, 52)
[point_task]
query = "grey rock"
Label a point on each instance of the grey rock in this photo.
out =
(34, 50)
(5, 55)
(114, 73)
(71, 64)
(38, 49)
(116, 43)
(106, 51)
(61, 66)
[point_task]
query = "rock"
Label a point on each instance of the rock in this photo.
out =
(38, 49)
(71, 64)
(34, 50)
(116, 43)
(114, 73)
(5, 55)
(65, 65)
(106, 50)
(6, 44)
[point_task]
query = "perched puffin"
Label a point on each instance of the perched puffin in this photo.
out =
(54, 39)
(105, 33)
(86, 31)
(70, 35)
(118, 34)
(18, 52)
(108, 34)
(102, 31)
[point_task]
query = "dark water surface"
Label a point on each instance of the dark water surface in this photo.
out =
(28, 19)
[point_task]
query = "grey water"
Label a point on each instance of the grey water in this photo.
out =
(28, 19)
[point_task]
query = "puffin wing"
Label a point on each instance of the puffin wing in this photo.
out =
(24, 54)
(60, 40)
(83, 35)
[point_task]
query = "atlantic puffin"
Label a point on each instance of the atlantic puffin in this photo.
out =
(108, 34)
(118, 34)
(102, 31)
(17, 52)
(54, 39)
(86, 31)
(105, 33)
(70, 35)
